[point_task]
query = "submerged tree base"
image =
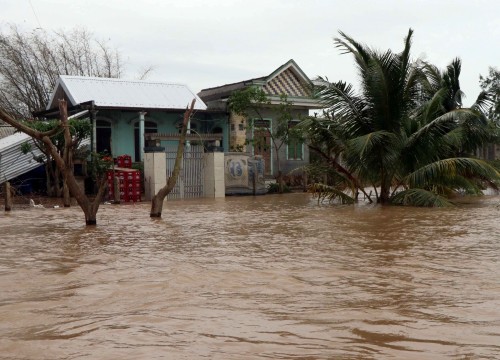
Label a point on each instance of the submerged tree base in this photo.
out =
(155, 215)
(90, 222)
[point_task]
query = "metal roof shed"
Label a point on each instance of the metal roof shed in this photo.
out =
(124, 94)
(12, 161)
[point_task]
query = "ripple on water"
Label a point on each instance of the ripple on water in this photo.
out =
(265, 277)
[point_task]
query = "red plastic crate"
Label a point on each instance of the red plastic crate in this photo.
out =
(119, 162)
(134, 198)
(134, 175)
(127, 161)
(124, 161)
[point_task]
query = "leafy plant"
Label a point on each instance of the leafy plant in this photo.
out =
(404, 134)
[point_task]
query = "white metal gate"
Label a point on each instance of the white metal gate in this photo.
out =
(190, 181)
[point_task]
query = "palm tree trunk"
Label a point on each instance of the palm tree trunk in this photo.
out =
(334, 163)
(385, 187)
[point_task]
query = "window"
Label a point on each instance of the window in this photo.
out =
(295, 150)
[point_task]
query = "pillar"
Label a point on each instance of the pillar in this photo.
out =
(155, 173)
(142, 114)
(213, 179)
(93, 141)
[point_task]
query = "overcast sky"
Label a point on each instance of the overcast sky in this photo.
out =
(206, 43)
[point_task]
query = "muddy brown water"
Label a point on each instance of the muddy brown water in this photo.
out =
(270, 277)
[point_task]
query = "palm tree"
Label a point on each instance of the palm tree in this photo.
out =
(405, 133)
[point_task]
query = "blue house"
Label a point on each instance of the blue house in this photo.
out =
(122, 112)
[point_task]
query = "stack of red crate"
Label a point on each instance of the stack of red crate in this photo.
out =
(124, 161)
(130, 184)
(110, 176)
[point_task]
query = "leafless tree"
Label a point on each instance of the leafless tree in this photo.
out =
(157, 201)
(63, 162)
(30, 63)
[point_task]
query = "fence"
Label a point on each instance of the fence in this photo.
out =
(190, 181)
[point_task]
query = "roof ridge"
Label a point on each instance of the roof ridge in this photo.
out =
(107, 79)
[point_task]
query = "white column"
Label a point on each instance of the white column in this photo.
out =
(94, 132)
(188, 131)
(155, 173)
(141, 135)
(214, 179)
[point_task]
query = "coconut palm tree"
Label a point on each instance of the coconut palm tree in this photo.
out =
(405, 132)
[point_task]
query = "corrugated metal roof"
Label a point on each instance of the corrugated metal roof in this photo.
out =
(121, 93)
(6, 130)
(12, 161)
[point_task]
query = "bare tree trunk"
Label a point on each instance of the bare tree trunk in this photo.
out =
(8, 196)
(66, 195)
(89, 207)
(280, 182)
(68, 158)
(116, 190)
(280, 174)
(157, 201)
(48, 174)
(57, 183)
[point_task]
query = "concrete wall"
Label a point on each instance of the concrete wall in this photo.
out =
(155, 173)
(239, 171)
(214, 184)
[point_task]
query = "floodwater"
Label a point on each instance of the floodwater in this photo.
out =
(269, 277)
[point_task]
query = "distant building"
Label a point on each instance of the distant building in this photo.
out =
(287, 79)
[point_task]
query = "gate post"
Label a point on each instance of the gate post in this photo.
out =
(155, 173)
(214, 179)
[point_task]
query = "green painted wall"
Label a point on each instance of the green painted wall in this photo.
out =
(123, 125)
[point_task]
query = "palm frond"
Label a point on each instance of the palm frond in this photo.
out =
(436, 128)
(324, 192)
(364, 145)
(483, 102)
(446, 168)
(433, 78)
(341, 99)
(405, 54)
(362, 53)
(420, 197)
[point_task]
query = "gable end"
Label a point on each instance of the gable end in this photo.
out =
(287, 83)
